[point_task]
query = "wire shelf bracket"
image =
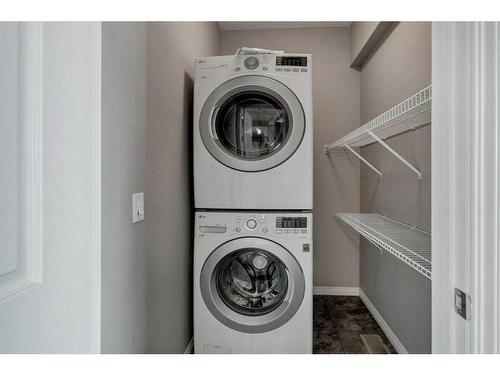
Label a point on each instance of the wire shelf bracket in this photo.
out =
(396, 154)
(409, 244)
(363, 160)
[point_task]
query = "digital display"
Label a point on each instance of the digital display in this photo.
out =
(291, 61)
(291, 222)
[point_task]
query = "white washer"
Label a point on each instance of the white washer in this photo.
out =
(253, 146)
(253, 282)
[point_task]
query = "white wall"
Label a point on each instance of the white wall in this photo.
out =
(58, 316)
(336, 113)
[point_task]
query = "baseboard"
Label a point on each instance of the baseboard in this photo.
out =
(383, 324)
(336, 290)
(190, 347)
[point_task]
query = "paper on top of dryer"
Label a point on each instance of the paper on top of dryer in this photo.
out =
(257, 51)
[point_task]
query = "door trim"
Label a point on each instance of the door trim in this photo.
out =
(465, 185)
(29, 271)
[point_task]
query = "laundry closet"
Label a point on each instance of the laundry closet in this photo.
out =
(250, 187)
(371, 99)
(355, 278)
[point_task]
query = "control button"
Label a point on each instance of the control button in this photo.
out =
(237, 69)
(279, 69)
(303, 70)
(265, 230)
(251, 224)
(287, 231)
(303, 231)
(295, 231)
(265, 68)
(295, 69)
(237, 229)
(279, 231)
(287, 70)
(251, 63)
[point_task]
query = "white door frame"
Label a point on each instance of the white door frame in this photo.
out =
(95, 184)
(465, 185)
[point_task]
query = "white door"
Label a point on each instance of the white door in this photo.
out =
(50, 187)
(465, 186)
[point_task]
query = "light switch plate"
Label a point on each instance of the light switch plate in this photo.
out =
(463, 305)
(137, 207)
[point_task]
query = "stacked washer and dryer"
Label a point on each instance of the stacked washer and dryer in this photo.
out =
(253, 175)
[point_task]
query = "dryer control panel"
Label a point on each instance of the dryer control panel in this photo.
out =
(293, 65)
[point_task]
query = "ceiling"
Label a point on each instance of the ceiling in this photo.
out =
(230, 26)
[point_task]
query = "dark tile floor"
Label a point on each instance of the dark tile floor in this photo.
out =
(339, 322)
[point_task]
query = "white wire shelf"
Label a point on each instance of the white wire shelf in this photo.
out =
(409, 114)
(409, 244)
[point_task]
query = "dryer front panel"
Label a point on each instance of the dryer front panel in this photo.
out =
(252, 285)
(252, 123)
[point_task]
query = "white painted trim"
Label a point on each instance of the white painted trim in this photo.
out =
(336, 290)
(383, 324)
(95, 185)
(30, 112)
(190, 347)
(465, 185)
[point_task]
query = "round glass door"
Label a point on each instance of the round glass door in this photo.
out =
(252, 123)
(252, 285)
(252, 281)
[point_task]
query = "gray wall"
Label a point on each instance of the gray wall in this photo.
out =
(146, 118)
(360, 33)
(336, 112)
(124, 171)
(400, 67)
(172, 48)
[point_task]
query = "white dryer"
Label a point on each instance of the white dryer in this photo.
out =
(253, 139)
(253, 282)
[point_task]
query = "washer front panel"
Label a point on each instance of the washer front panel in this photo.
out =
(248, 321)
(286, 101)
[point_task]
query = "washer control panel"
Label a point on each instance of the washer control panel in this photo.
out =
(276, 224)
(282, 225)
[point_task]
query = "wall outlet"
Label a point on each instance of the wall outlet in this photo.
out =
(137, 207)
